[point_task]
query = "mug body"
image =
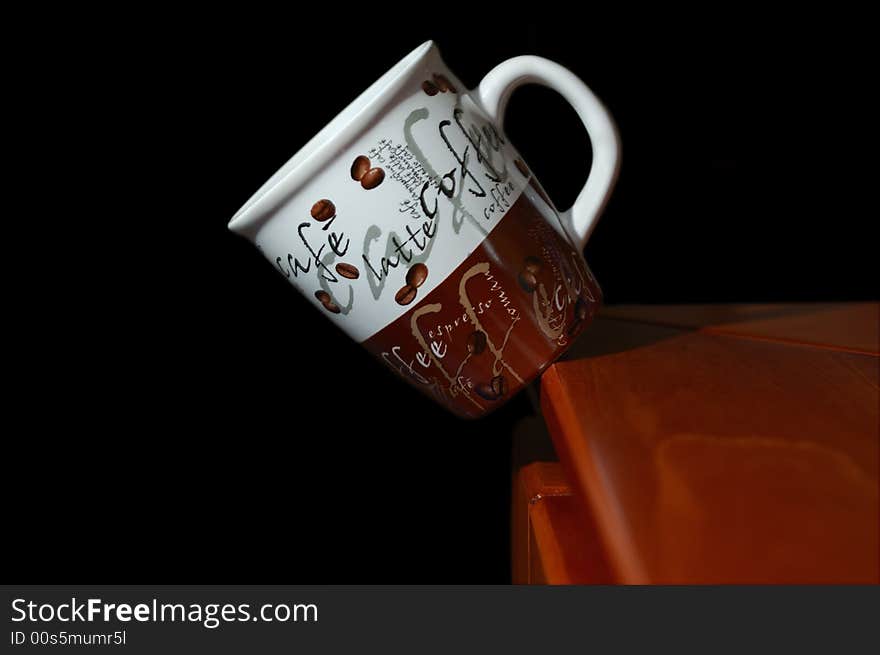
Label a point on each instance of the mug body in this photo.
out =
(412, 223)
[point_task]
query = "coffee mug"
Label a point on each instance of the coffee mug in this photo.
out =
(413, 224)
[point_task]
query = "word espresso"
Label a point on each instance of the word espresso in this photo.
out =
(444, 378)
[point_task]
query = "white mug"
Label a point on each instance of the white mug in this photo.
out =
(412, 223)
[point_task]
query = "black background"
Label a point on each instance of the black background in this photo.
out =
(179, 414)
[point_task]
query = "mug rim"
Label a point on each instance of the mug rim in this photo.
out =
(312, 156)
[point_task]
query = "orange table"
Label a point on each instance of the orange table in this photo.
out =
(708, 444)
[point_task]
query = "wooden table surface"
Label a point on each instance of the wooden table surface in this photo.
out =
(837, 326)
(709, 444)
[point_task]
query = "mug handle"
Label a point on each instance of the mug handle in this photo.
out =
(493, 93)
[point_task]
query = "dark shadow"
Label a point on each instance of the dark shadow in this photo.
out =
(532, 442)
(607, 336)
(707, 314)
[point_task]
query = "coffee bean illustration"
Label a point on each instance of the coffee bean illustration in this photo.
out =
(325, 299)
(527, 281)
(349, 271)
(429, 88)
(476, 342)
(521, 167)
(323, 210)
(406, 295)
(416, 275)
(499, 385)
(486, 391)
(359, 167)
(373, 178)
(442, 82)
(532, 264)
(581, 309)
